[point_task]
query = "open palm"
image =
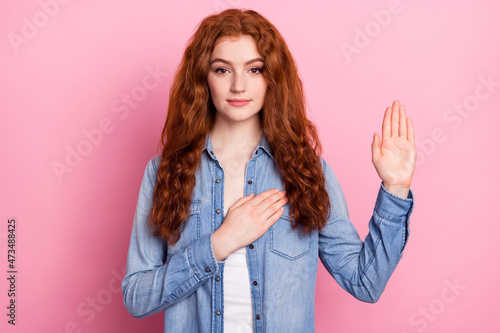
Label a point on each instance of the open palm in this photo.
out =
(395, 157)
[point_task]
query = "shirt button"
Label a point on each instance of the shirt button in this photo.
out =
(257, 317)
(218, 211)
(217, 278)
(255, 283)
(251, 246)
(217, 180)
(217, 313)
(250, 182)
(207, 270)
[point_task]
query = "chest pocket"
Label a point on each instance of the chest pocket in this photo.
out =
(287, 242)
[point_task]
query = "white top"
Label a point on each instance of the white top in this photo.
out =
(238, 314)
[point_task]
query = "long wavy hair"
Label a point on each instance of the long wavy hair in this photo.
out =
(191, 115)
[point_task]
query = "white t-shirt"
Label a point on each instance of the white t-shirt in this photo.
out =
(238, 313)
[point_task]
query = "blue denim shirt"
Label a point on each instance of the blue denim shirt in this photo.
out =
(186, 281)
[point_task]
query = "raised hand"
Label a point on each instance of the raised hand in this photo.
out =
(247, 220)
(395, 157)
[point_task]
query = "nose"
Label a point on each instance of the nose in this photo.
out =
(239, 83)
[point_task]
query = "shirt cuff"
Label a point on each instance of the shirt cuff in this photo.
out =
(201, 258)
(393, 207)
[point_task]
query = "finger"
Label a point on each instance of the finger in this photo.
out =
(395, 118)
(411, 132)
(276, 214)
(272, 203)
(402, 121)
(278, 205)
(241, 201)
(263, 196)
(375, 146)
(386, 124)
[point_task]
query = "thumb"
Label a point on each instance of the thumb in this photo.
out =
(375, 146)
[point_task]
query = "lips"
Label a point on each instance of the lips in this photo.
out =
(238, 101)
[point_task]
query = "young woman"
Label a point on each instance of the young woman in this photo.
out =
(232, 216)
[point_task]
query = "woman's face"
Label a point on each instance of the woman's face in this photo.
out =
(236, 74)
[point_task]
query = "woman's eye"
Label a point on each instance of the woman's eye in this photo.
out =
(220, 69)
(258, 69)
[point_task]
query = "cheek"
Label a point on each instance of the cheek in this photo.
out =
(210, 86)
(263, 90)
(215, 88)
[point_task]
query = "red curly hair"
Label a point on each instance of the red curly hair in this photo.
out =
(191, 115)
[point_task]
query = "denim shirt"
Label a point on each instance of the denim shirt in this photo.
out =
(186, 281)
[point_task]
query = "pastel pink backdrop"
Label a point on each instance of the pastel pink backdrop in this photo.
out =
(66, 76)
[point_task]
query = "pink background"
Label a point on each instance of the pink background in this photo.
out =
(69, 75)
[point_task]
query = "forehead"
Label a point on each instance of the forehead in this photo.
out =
(241, 47)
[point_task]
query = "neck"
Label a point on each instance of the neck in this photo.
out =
(229, 138)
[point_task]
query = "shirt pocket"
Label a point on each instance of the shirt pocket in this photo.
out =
(285, 241)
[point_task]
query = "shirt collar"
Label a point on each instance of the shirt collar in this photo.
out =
(263, 145)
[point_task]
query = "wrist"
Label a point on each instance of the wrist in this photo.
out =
(220, 247)
(397, 189)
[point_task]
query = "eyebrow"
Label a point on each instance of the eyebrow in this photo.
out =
(230, 63)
